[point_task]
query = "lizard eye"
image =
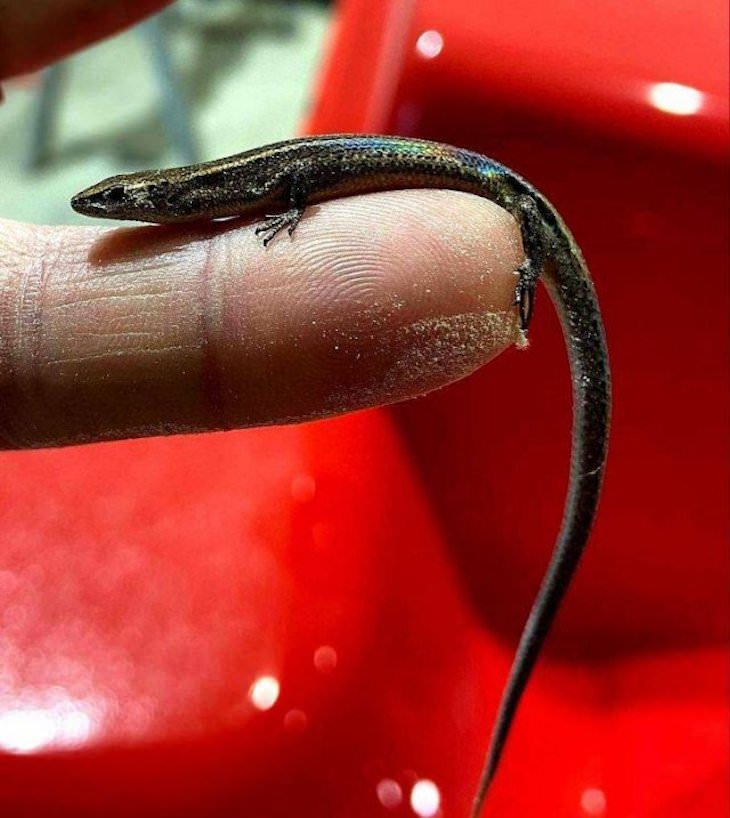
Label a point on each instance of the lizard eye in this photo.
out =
(115, 194)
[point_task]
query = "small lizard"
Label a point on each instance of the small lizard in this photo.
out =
(289, 176)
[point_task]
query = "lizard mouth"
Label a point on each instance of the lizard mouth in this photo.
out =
(86, 205)
(105, 199)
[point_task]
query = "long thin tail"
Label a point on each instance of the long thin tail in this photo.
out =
(575, 300)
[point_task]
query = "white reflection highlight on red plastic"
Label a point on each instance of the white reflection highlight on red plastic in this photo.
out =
(325, 658)
(593, 801)
(425, 798)
(390, 793)
(27, 730)
(264, 692)
(674, 98)
(430, 44)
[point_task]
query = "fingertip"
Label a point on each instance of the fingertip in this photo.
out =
(396, 294)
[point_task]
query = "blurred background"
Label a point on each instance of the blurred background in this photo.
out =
(200, 80)
(317, 620)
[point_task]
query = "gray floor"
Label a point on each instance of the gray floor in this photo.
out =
(247, 77)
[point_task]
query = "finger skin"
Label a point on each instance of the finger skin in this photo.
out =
(137, 331)
(36, 32)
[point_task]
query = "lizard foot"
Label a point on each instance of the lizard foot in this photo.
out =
(275, 224)
(525, 293)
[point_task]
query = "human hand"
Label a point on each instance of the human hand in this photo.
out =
(106, 334)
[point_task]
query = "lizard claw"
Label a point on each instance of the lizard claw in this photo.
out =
(275, 224)
(525, 293)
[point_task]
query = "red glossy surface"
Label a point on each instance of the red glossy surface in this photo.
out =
(595, 64)
(147, 591)
(146, 586)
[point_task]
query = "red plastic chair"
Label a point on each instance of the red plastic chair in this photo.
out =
(317, 620)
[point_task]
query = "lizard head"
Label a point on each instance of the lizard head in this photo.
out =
(143, 196)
